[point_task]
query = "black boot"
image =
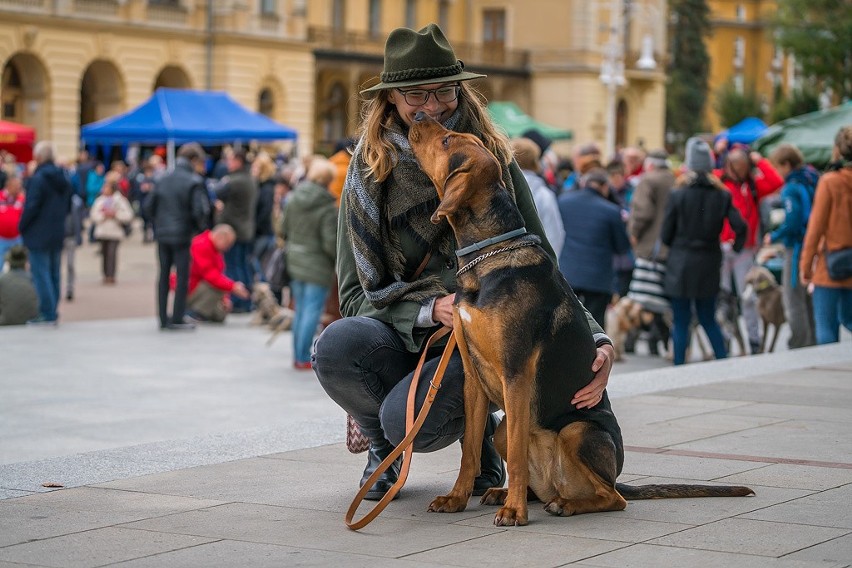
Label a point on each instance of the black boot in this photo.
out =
(492, 471)
(375, 455)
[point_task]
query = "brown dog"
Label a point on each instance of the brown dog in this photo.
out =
(770, 306)
(527, 347)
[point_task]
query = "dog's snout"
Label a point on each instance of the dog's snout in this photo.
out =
(420, 115)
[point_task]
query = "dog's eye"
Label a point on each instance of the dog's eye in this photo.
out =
(446, 141)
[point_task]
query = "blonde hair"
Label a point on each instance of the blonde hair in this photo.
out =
(378, 113)
(111, 180)
(264, 165)
(843, 141)
(321, 171)
(527, 153)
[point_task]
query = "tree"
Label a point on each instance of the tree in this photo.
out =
(732, 105)
(686, 93)
(800, 101)
(819, 34)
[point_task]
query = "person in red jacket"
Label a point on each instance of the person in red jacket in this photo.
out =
(209, 288)
(11, 208)
(749, 178)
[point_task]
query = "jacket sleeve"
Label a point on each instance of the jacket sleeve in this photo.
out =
(817, 225)
(205, 265)
(32, 205)
(200, 206)
(792, 215)
(124, 212)
(328, 232)
(620, 241)
(737, 224)
(641, 210)
(769, 181)
(97, 212)
(669, 226)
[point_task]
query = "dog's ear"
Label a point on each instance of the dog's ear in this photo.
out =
(452, 192)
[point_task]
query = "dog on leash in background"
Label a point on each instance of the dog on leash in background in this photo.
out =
(761, 283)
(626, 316)
(269, 312)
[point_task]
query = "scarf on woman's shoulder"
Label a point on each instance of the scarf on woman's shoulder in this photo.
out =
(405, 201)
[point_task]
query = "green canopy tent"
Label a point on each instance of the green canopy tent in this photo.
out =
(515, 122)
(812, 133)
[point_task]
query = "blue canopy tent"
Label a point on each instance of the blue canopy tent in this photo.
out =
(744, 132)
(177, 116)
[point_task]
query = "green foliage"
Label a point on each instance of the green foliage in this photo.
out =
(732, 106)
(799, 101)
(686, 93)
(819, 34)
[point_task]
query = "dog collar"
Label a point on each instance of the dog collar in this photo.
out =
(492, 241)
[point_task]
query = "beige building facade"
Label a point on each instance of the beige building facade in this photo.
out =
(742, 50)
(66, 63)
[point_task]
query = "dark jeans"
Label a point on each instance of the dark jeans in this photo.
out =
(832, 308)
(109, 255)
(364, 367)
(177, 256)
(596, 303)
(46, 266)
(705, 311)
(237, 268)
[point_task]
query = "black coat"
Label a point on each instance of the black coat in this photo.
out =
(178, 205)
(48, 200)
(695, 215)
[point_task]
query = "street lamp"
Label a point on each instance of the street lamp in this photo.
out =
(612, 72)
(612, 64)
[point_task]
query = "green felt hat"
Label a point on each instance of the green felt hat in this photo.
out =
(419, 58)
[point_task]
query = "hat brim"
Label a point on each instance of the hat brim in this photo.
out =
(463, 76)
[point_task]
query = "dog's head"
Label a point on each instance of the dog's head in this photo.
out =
(452, 160)
(629, 314)
(758, 279)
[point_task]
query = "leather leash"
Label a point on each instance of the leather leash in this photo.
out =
(412, 427)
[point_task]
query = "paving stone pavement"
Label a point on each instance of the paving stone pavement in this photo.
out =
(174, 452)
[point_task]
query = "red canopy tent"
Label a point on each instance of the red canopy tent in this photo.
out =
(17, 139)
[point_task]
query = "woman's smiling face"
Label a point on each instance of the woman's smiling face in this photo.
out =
(433, 107)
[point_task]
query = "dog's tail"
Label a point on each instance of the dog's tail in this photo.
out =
(634, 493)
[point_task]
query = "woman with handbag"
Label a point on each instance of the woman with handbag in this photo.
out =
(397, 270)
(828, 245)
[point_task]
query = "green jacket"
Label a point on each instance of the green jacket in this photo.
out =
(403, 315)
(18, 299)
(309, 227)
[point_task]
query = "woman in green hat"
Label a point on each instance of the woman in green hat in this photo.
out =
(397, 270)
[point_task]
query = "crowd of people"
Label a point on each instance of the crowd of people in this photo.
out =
(360, 240)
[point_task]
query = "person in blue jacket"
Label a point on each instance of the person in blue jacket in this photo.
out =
(797, 195)
(42, 227)
(594, 234)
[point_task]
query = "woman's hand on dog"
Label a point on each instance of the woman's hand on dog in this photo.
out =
(442, 312)
(591, 394)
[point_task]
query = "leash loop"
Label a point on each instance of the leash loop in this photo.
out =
(412, 427)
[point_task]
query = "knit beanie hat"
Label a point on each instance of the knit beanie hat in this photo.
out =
(699, 158)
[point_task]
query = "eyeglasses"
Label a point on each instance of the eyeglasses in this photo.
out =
(419, 97)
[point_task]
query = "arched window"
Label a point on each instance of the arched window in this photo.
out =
(621, 124)
(266, 103)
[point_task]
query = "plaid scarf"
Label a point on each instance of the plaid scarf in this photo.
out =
(404, 202)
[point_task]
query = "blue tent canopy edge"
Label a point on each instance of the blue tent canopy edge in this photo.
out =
(744, 132)
(180, 115)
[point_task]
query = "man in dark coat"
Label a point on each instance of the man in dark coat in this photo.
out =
(237, 202)
(594, 232)
(179, 207)
(42, 227)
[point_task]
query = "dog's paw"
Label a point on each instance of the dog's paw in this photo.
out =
(510, 517)
(447, 504)
(557, 508)
(494, 496)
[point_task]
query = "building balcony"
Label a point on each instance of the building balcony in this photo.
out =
(343, 44)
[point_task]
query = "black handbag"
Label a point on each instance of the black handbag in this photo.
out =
(839, 263)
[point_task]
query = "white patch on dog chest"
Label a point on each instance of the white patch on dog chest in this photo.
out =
(464, 314)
